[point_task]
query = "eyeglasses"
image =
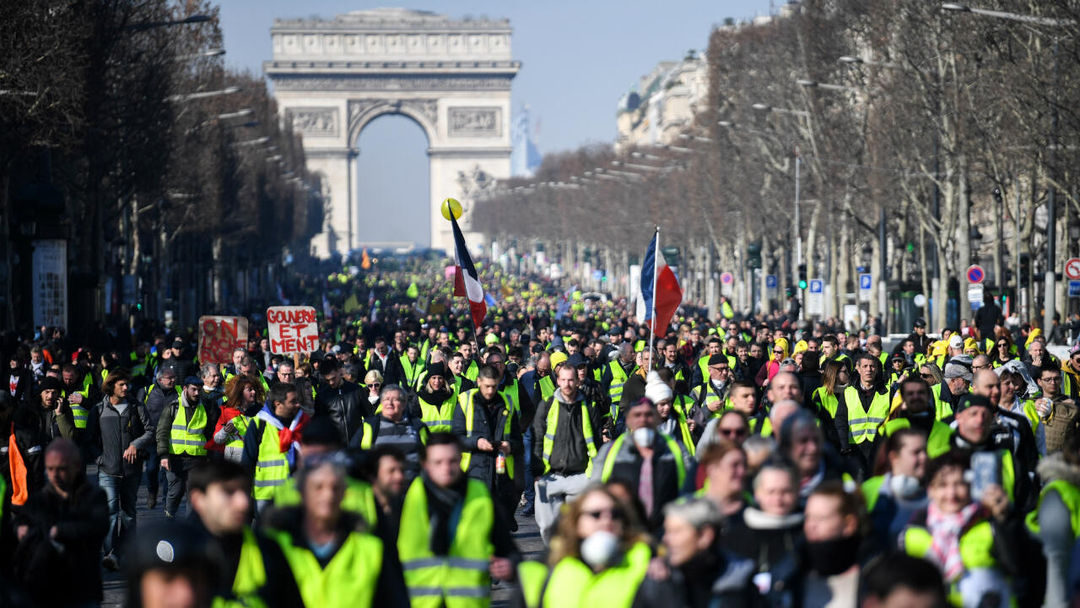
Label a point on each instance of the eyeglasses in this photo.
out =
(615, 514)
(739, 432)
(926, 376)
(1054, 379)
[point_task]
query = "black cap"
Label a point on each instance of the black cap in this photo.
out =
(328, 365)
(577, 360)
(437, 369)
(173, 544)
(49, 383)
(717, 359)
(178, 343)
(970, 400)
(920, 322)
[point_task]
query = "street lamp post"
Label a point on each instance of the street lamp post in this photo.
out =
(797, 225)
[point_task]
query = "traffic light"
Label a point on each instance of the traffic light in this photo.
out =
(1025, 269)
(802, 276)
(753, 255)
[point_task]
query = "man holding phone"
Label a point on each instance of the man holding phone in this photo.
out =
(973, 433)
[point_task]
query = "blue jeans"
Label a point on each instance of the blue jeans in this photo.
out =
(154, 475)
(530, 492)
(121, 492)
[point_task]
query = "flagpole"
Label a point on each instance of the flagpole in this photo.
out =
(652, 324)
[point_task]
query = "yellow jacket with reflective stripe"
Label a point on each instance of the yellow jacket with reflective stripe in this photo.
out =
(80, 412)
(438, 417)
(459, 579)
(863, 425)
(350, 578)
(188, 436)
(467, 401)
(272, 468)
(573, 584)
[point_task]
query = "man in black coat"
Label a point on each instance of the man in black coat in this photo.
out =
(491, 432)
(36, 423)
(343, 402)
(60, 531)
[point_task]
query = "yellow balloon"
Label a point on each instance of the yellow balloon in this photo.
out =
(449, 206)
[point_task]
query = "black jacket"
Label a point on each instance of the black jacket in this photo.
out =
(489, 422)
(35, 428)
(280, 590)
(68, 574)
(110, 432)
(714, 578)
(158, 400)
(346, 405)
(569, 452)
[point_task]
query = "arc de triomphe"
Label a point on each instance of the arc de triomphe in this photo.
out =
(452, 77)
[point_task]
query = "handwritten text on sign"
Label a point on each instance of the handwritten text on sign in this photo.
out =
(293, 329)
(219, 336)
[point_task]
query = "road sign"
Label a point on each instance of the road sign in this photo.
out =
(1072, 269)
(975, 295)
(727, 278)
(975, 274)
(815, 298)
(771, 281)
(1074, 288)
(866, 286)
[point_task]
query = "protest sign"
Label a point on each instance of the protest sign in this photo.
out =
(219, 336)
(293, 329)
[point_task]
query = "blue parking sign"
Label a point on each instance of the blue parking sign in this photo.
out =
(866, 281)
(817, 286)
(1074, 289)
(770, 281)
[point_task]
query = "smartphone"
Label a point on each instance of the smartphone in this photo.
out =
(986, 471)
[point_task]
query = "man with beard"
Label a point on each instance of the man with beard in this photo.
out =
(491, 429)
(36, 423)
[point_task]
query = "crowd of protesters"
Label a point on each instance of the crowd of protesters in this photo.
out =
(738, 460)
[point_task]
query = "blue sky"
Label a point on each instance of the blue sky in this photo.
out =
(578, 58)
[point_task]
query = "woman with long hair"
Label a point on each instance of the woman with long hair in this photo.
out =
(243, 398)
(826, 398)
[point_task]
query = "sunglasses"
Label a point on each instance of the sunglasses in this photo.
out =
(927, 376)
(616, 514)
(739, 432)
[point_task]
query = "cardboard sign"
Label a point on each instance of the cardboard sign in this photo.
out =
(219, 336)
(294, 330)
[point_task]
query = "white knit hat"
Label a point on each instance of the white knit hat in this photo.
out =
(655, 388)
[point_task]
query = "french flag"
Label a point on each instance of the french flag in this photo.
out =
(466, 280)
(660, 290)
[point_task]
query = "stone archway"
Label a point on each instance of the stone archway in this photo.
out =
(452, 77)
